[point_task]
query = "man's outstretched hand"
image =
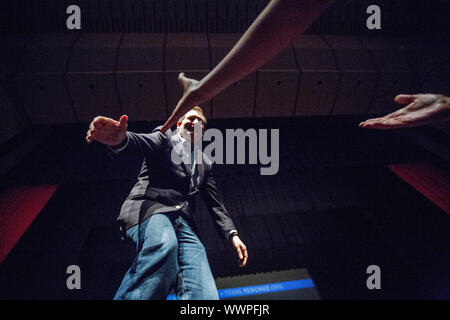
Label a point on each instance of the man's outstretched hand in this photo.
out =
(241, 251)
(107, 130)
(421, 109)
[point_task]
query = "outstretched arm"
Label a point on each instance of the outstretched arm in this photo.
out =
(421, 109)
(115, 135)
(278, 25)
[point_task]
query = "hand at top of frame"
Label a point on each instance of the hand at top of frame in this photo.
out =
(421, 109)
(107, 130)
(190, 99)
(276, 27)
(241, 250)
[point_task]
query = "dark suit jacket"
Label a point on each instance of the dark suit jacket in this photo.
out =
(164, 186)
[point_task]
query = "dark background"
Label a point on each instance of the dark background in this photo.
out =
(334, 208)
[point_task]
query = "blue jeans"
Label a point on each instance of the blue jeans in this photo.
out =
(169, 254)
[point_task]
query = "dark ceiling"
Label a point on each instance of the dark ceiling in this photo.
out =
(344, 17)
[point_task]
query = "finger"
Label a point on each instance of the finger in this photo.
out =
(98, 124)
(372, 123)
(244, 250)
(100, 121)
(385, 124)
(184, 81)
(88, 137)
(369, 121)
(404, 98)
(181, 78)
(123, 122)
(239, 252)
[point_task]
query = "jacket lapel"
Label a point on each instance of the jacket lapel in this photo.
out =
(177, 145)
(201, 170)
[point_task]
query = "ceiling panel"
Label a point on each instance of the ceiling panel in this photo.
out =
(74, 77)
(45, 98)
(319, 76)
(142, 95)
(41, 78)
(141, 52)
(357, 75)
(276, 93)
(140, 76)
(394, 74)
(187, 52)
(237, 100)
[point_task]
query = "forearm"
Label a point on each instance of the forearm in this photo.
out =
(216, 208)
(138, 143)
(223, 222)
(280, 23)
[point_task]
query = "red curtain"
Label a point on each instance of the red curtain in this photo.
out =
(429, 180)
(19, 206)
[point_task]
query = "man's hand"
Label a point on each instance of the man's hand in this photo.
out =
(241, 250)
(421, 109)
(107, 130)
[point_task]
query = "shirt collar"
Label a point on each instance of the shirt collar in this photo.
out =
(186, 144)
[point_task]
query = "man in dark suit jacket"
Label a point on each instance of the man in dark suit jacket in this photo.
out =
(158, 215)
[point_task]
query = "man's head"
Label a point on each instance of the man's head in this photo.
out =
(193, 120)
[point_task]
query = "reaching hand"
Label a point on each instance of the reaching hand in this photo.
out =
(107, 130)
(187, 83)
(421, 109)
(241, 250)
(189, 100)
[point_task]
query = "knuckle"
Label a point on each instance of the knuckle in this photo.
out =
(441, 101)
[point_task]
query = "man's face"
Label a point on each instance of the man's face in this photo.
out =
(191, 123)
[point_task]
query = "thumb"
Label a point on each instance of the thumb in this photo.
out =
(181, 77)
(123, 121)
(404, 98)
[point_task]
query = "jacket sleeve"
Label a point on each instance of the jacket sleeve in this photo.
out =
(211, 195)
(139, 144)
